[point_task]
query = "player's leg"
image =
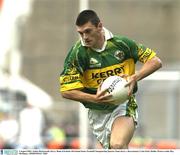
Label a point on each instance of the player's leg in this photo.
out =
(122, 131)
(99, 145)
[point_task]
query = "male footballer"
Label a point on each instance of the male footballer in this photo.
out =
(97, 55)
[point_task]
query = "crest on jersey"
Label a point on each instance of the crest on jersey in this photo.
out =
(94, 63)
(71, 70)
(119, 55)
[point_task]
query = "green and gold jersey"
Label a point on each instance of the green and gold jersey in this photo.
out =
(85, 69)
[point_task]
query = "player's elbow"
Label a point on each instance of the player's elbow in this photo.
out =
(159, 62)
(65, 94)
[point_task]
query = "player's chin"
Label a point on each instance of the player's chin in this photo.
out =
(88, 45)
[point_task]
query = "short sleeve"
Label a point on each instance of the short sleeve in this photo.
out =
(144, 53)
(138, 51)
(71, 77)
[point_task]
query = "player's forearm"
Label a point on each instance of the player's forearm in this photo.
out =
(78, 95)
(148, 68)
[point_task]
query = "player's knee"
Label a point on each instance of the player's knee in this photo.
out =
(118, 145)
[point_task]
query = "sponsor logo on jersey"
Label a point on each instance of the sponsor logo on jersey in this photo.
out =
(119, 55)
(145, 55)
(69, 78)
(93, 77)
(103, 75)
(107, 73)
(94, 63)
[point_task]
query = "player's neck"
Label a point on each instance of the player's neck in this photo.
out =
(100, 42)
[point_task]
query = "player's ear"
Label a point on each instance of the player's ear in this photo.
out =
(100, 26)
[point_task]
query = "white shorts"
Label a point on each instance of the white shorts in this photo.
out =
(101, 121)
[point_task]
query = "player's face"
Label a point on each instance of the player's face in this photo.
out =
(91, 35)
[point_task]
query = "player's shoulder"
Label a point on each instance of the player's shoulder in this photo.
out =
(77, 51)
(124, 40)
(121, 37)
(78, 48)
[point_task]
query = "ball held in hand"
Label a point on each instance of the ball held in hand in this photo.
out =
(115, 85)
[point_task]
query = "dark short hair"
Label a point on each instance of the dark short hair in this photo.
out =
(87, 16)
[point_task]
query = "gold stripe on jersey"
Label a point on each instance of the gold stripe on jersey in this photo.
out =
(69, 78)
(71, 86)
(93, 77)
(69, 82)
(146, 55)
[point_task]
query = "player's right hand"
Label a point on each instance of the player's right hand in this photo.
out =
(102, 96)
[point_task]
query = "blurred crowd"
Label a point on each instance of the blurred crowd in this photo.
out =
(31, 130)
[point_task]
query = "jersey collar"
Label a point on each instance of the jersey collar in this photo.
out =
(108, 35)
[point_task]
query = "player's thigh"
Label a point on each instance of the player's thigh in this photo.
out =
(122, 130)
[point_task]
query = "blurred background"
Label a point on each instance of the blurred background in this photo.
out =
(35, 36)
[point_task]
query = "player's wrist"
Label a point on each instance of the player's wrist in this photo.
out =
(137, 76)
(92, 98)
